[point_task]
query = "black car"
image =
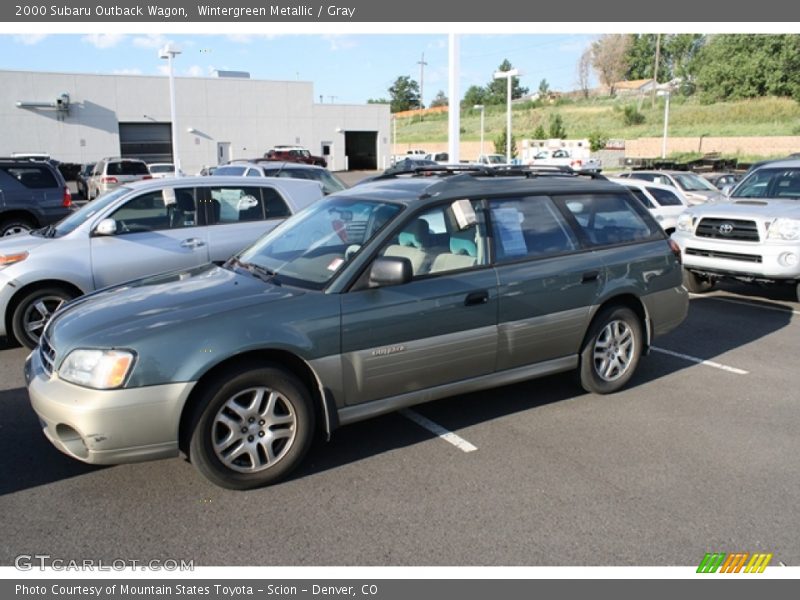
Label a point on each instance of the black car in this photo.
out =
(33, 194)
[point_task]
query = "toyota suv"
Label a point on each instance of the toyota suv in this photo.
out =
(753, 236)
(391, 293)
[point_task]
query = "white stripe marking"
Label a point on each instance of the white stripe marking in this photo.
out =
(435, 428)
(746, 303)
(700, 361)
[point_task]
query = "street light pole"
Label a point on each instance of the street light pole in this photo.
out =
(169, 52)
(507, 75)
(666, 124)
(481, 108)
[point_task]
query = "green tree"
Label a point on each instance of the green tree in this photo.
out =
(557, 131)
(500, 144)
(404, 94)
(497, 89)
(641, 57)
(597, 141)
(610, 58)
(439, 100)
(475, 95)
(539, 133)
(378, 101)
(733, 67)
(544, 88)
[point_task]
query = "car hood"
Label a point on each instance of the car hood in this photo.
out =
(753, 208)
(124, 314)
(24, 242)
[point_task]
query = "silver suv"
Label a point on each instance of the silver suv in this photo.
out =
(753, 236)
(112, 172)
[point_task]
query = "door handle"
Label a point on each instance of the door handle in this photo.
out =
(473, 298)
(590, 276)
(192, 243)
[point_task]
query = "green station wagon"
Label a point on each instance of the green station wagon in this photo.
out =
(393, 293)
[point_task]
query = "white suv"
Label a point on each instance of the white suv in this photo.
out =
(753, 236)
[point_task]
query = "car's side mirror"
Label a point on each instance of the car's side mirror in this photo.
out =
(726, 190)
(106, 227)
(390, 270)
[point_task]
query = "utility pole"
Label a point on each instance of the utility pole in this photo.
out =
(422, 64)
(655, 68)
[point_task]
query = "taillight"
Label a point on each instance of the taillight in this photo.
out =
(147, 177)
(676, 250)
(66, 199)
(576, 163)
(109, 180)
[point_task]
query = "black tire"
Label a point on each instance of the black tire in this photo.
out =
(14, 226)
(695, 283)
(797, 292)
(232, 441)
(34, 310)
(611, 350)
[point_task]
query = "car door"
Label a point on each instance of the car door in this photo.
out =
(157, 231)
(547, 286)
(240, 214)
(437, 329)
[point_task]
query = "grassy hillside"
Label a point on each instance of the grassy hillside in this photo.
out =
(687, 117)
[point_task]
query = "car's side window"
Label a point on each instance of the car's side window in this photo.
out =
(642, 196)
(434, 244)
(33, 177)
(158, 210)
(665, 197)
(235, 204)
(274, 203)
(528, 228)
(607, 219)
(253, 173)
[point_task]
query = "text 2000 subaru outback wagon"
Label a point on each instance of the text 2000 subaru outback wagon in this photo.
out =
(393, 293)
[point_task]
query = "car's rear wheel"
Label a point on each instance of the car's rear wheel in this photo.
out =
(15, 226)
(611, 350)
(696, 283)
(251, 427)
(33, 312)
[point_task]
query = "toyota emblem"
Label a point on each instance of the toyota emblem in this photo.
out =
(725, 228)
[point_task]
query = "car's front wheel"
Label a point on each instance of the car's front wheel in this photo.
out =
(34, 310)
(611, 350)
(251, 427)
(695, 283)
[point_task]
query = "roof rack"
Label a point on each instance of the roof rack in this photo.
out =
(489, 171)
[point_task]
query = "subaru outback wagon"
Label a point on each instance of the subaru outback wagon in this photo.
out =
(386, 295)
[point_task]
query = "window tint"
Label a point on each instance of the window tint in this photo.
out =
(253, 173)
(665, 197)
(529, 227)
(156, 211)
(35, 178)
(276, 205)
(642, 197)
(433, 243)
(235, 204)
(644, 176)
(229, 170)
(610, 219)
(127, 167)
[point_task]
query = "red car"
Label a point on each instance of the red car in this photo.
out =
(296, 154)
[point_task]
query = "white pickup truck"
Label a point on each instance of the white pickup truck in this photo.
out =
(564, 158)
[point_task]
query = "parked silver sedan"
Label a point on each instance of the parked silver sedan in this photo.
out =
(133, 231)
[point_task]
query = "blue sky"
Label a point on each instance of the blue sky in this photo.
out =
(346, 68)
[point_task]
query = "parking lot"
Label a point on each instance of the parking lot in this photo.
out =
(698, 454)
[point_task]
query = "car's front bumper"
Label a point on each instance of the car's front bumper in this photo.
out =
(771, 261)
(106, 426)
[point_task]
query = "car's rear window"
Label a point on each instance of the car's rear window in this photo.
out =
(127, 167)
(665, 197)
(608, 219)
(32, 177)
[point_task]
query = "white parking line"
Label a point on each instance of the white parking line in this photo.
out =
(746, 303)
(435, 428)
(700, 361)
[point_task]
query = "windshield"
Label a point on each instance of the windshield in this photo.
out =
(308, 249)
(162, 168)
(86, 212)
(496, 159)
(330, 183)
(770, 183)
(693, 183)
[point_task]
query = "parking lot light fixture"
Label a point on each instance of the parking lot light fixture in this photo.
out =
(481, 108)
(169, 52)
(508, 76)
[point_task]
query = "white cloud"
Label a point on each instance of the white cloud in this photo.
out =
(133, 71)
(163, 69)
(340, 42)
(103, 40)
(151, 40)
(247, 38)
(30, 39)
(195, 71)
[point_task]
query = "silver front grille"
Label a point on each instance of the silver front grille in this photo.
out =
(47, 353)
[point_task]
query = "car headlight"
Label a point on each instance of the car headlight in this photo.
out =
(10, 259)
(97, 369)
(684, 222)
(784, 229)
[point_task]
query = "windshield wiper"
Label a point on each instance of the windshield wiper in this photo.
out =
(262, 273)
(48, 232)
